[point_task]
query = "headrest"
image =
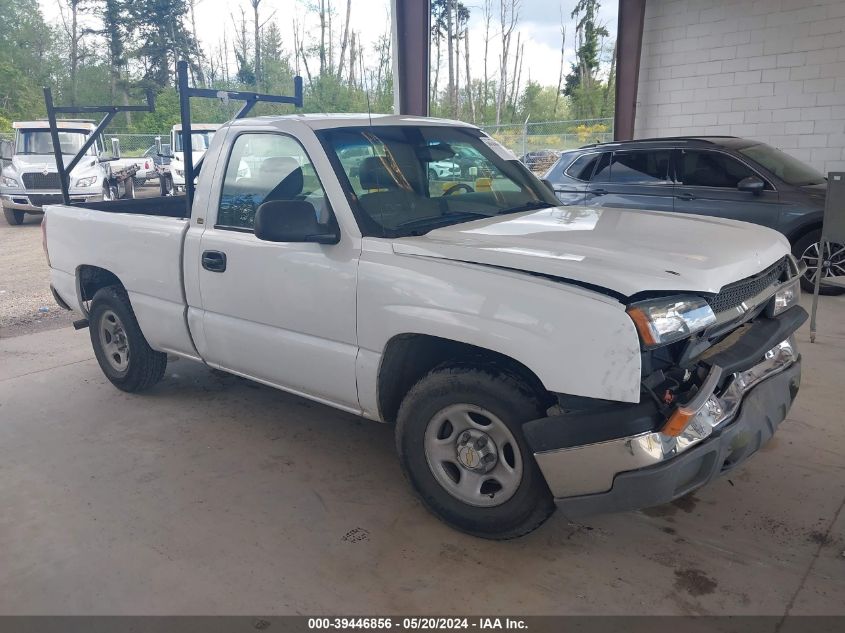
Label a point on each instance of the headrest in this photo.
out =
(278, 166)
(290, 173)
(372, 174)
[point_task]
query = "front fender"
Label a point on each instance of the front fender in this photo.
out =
(576, 341)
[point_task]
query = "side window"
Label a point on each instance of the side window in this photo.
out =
(602, 173)
(643, 167)
(264, 167)
(712, 169)
(583, 166)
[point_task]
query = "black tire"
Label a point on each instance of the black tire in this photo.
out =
(514, 404)
(798, 250)
(129, 189)
(14, 217)
(145, 366)
(108, 192)
(165, 184)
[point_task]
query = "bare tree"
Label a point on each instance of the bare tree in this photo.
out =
(450, 53)
(508, 19)
(488, 15)
(470, 101)
(510, 96)
(256, 47)
(74, 32)
(344, 41)
(562, 56)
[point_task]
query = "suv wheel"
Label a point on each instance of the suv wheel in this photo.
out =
(832, 262)
(460, 443)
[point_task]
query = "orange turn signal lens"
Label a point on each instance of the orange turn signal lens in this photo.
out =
(677, 422)
(643, 324)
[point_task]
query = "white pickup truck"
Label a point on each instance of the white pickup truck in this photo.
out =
(527, 354)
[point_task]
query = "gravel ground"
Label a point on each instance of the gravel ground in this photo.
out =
(26, 303)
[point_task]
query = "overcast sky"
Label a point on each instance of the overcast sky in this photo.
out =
(539, 24)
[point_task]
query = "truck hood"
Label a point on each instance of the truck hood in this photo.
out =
(26, 163)
(626, 251)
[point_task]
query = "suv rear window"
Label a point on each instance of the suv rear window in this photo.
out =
(583, 166)
(640, 167)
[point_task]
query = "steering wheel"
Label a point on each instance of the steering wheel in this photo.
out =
(457, 187)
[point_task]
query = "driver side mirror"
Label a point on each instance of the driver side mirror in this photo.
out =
(752, 184)
(291, 221)
(5, 150)
(549, 184)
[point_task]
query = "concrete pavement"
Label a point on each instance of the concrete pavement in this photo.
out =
(213, 495)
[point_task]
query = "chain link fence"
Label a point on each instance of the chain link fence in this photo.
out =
(134, 145)
(551, 135)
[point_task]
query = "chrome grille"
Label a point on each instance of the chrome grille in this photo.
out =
(738, 292)
(41, 181)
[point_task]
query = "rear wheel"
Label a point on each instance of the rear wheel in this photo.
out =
(123, 353)
(14, 217)
(129, 189)
(831, 262)
(460, 443)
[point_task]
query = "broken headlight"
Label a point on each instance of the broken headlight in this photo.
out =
(669, 319)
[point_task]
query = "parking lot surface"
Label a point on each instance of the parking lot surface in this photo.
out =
(210, 494)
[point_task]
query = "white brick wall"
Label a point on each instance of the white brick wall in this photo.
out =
(772, 70)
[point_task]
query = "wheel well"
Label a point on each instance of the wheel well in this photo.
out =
(409, 357)
(799, 233)
(90, 279)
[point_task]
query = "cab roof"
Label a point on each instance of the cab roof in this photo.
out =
(322, 121)
(199, 126)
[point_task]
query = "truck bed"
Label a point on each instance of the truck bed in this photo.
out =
(139, 242)
(167, 207)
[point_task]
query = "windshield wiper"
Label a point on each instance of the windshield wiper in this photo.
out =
(534, 205)
(434, 221)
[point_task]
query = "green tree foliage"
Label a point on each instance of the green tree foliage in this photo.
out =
(120, 48)
(28, 58)
(585, 90)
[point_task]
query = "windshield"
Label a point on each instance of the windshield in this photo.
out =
(199, 141)
(791, 170)
(407, 180)
(39, 141)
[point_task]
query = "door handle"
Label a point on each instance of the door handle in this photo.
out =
(685, 196)
(598, 192)
(215, 261)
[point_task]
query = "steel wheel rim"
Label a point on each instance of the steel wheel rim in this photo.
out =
(832, 262)
(114, 342)
(448, 456)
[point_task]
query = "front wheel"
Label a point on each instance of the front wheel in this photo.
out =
(831, 262)
(460, 444)
(123, 353)
(14, 217)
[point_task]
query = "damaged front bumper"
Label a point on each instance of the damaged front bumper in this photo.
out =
(616, 458)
